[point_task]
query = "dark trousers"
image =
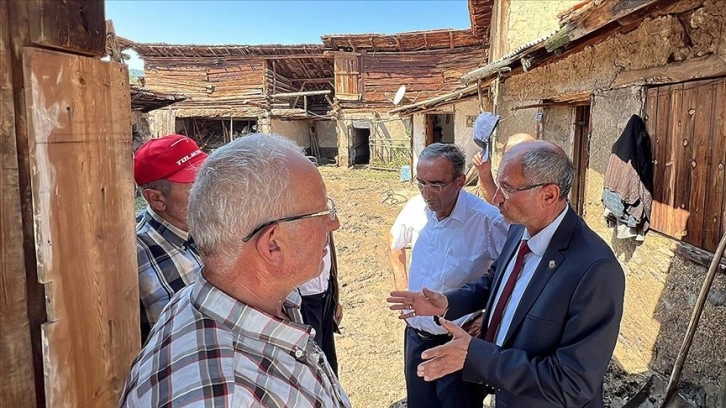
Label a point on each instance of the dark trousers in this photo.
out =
(449, 391)
(318, 311)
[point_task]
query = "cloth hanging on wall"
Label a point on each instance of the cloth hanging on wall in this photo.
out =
(628, 193)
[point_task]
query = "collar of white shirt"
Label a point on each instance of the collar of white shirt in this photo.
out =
(539, 242)
(458, 213)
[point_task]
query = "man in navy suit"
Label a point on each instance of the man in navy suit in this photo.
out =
(553, 298)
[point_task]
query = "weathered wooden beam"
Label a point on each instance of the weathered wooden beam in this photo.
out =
(344, 54)
(398, 42)
(296, 94)
(313, 80)
(20, 344)
(290, 56)
(594, 18)
(698, 255)
(455, 95)
(489, 69)
(696, 68)
(112, 44)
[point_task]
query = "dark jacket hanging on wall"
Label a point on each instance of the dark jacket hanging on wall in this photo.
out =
(629, 178)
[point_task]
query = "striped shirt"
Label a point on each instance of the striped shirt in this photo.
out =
(167, 263)
(210, 350)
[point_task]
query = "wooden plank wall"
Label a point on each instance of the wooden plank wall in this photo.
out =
(687, 124)
(80, 151)
(426, 74)
(78, 26)
(17, 387)
(235, 83)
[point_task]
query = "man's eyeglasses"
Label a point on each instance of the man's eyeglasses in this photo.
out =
(331, 212)
(435, 187)
(507, 191)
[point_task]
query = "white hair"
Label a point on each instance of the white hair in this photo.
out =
(240, 186)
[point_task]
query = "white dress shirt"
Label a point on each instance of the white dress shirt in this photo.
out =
(319, 284)
(538, 245)
(409, 223)
(455, 251)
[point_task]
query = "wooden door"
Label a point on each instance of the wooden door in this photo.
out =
(687, 126)
(429, 129)
(347, 74)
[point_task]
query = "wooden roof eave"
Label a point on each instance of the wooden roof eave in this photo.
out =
(146, 100)
(436, 101)
(492, 69)
(576, 27)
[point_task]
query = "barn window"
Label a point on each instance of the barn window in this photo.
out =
(347, 74)
(687, 125)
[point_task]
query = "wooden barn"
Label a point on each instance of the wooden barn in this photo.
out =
(331, 98)
(232, 90)
(371, 68)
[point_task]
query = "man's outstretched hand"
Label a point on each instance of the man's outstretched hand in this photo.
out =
(447, 358)
(424, 303)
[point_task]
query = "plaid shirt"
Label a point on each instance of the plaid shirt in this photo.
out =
(167, 263)
(210, 350)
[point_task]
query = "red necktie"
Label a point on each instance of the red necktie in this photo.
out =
(507, 292)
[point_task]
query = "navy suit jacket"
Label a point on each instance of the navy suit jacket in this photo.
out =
(564, 329)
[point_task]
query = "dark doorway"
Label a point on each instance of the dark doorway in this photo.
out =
(360, 145)
(439, 128)
(580, 157)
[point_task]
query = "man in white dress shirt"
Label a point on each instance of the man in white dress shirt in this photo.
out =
(461, 237)
(321, 308)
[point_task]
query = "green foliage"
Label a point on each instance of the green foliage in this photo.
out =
(139, 204)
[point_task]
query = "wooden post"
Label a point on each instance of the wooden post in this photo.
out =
(20, 344)
(68, 286)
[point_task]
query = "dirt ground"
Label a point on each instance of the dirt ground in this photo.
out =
(370, 348)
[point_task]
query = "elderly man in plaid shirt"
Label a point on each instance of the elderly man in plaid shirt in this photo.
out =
(164, 170)
(261, 218)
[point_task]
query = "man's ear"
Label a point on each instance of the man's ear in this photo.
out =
(460, 180)
(551, 194)
(155, 198)
(269, 245)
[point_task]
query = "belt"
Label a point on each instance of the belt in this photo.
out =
(426, 336)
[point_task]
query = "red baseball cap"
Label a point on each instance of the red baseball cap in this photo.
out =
(174, 157)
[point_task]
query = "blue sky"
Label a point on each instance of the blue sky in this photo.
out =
(275, 22)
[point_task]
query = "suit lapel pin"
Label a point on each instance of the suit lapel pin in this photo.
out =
(552, 265)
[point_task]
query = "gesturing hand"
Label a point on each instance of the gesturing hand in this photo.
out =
(480, 165)
(424, 303)
(447, 358)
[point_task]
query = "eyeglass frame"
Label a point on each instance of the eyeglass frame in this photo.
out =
(331, 212)
(436, 187)
(507, 192)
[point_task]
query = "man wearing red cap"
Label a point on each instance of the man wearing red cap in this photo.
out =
(164, 170)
